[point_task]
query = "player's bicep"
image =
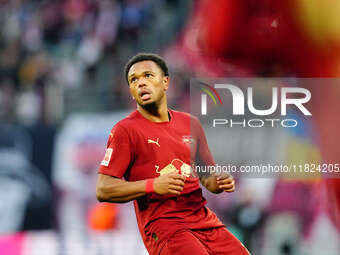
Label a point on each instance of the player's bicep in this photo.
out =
(118, 153)
(204, 157)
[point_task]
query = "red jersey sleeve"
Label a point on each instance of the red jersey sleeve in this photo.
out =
(203, 156)
(118, 153)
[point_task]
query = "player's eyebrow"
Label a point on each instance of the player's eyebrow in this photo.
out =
(131, 75)
(147, 71)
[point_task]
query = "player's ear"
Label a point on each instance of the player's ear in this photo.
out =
(166, 82)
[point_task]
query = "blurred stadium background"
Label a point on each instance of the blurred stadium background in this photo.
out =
(62, 88)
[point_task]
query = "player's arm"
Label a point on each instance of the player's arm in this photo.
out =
(119, 154)
(111, 189)
(214, 182)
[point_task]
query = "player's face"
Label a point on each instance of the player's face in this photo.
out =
(147, 82)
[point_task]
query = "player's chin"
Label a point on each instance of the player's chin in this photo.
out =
(147, 103)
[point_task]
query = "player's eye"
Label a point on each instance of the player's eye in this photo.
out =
(148, 75)
(132, 80)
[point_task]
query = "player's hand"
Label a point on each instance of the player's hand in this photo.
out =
(226, 182)
(169, 184)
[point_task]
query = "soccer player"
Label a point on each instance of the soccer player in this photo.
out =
(155, 149)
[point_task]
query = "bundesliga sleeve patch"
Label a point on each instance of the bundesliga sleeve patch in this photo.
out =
(107, 157)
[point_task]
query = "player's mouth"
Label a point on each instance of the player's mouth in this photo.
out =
(145, 95)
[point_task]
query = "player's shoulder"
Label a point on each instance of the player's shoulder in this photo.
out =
(126, 123)
(185, 116)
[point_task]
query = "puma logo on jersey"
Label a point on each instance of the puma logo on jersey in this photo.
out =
(155, 142)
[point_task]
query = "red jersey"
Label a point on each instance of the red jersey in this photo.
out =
(139, 149)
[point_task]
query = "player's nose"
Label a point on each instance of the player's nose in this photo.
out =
(141, 82)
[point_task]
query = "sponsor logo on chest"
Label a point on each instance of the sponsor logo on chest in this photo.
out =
(188, 139)
(176, 166)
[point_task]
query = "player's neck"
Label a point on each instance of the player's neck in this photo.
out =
(155, 113)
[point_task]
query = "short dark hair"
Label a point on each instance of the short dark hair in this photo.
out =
(143, 57)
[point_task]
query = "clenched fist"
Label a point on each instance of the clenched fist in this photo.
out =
(169, 184)
(219, 182)
(226, 183)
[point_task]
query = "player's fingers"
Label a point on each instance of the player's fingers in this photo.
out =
(174, 192)
(225, 181)
(178, 177)
(174, 175)
(177, 182)
(224, 176)
(176, 187)
(230, 190)
(226, 186)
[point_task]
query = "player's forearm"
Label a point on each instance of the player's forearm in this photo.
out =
(210, 184)
(119, 191)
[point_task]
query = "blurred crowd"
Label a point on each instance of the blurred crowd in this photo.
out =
(58, 57)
